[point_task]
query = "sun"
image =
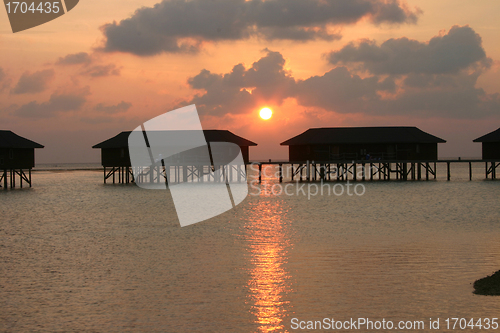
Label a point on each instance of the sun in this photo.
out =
(266, 113)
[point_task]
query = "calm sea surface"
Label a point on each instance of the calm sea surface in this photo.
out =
(80, 256)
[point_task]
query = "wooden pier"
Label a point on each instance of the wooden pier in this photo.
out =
(363, 170)
(308, 171)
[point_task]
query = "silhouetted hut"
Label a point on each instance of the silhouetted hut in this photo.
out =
(363, 143)
(491, 145)
(115, 153)
(17, 155)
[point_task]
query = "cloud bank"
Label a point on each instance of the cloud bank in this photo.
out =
(399, 77)
(450, 53)
(175, 26)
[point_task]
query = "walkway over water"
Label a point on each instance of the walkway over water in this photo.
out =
(360, 170)
(370, 169)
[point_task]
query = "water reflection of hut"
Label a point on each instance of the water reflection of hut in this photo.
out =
(17, 156)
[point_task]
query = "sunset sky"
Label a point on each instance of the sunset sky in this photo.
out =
(108, 66)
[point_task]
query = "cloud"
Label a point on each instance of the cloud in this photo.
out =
(446, 95)
(82, 58)
(243, 89)
(343, 90)
(33, 83)
(175, 26)
(338, 90)
(459, 49)
(58, 102)
(88, 66)
(101, 70)
(112, 109)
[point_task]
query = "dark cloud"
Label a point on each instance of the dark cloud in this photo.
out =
(112, 109)
(33, 83)
(82, 58)
(58, 102)
(394, 11)
(181, 25)
(243, 89)
(342, 90)
(460, 48)
(446, 95)
(101, 70)
(338, 90)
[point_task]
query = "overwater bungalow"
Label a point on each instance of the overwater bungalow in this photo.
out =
(115, 153)
(17, 157)
(363, 143)
(490, 145)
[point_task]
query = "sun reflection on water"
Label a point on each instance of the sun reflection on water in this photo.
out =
(269, 241)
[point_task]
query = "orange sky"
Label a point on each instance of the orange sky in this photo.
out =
(109, 92)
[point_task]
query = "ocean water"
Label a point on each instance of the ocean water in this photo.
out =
(80, 256)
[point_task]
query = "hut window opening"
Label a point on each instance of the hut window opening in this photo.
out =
(418, 149)
(1, 160)
(122, 153)
(11, 154)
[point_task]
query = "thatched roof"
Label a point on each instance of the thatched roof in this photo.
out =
(121, 140)
(9, 139)
(362, 135)
(490, 137)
